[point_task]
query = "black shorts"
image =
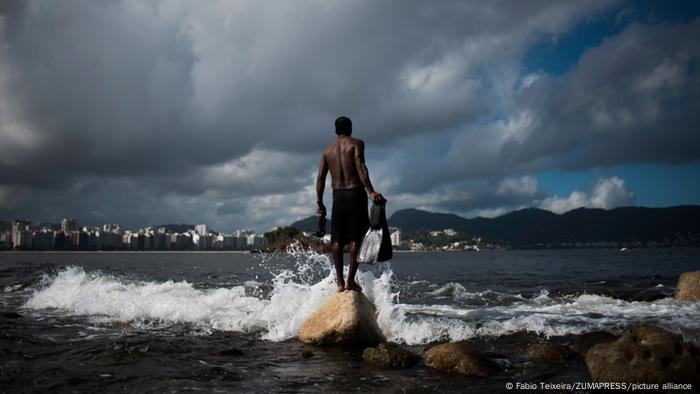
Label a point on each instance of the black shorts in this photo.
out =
(349, 218)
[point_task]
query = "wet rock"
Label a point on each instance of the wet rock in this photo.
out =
(644, 353)
(688, 286)
(586, 341)
(389, 355)
(347, 319)
(549, 352)
(227, 352)
(459, 357)
(648, 295)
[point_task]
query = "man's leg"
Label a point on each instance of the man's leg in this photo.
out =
(337, 252)
(350, 284)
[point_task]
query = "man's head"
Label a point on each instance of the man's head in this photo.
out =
(343, 126)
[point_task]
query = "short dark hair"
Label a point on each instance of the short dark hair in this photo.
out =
(343, 125)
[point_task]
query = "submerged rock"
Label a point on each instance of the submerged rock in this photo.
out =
(549, 352)
(389, 355)
(459, 357)
(688, 286)
(347, 318)
(644, 353)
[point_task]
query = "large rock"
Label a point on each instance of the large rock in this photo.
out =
(646, 354)
(389, 355)
(458, 357)
(688, 286)
(346, 318)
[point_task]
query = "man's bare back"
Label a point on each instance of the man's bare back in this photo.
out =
(345, 159)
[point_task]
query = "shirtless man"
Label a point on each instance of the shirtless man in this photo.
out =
(345, 158)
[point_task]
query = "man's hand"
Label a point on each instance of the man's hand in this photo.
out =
(321, 210)
(377, 197)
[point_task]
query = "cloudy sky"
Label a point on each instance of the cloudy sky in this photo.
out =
(142, 112)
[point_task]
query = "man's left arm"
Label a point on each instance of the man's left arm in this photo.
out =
(321, 185)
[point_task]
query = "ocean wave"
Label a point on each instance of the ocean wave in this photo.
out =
(543, 315)
(293, 294)
(457, 292)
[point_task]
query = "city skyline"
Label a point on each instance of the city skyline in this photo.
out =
(142, 113)
(70, 235)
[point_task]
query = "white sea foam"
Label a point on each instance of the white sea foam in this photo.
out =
(296, 293)
(452, 289)
(457, 292)
(10, 289)
(543, 315)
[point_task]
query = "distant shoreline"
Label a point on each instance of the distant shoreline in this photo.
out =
(126, 251)
(248, 252)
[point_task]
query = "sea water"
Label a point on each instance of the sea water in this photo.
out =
(157, 320)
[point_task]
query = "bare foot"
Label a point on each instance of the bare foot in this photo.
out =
(353, 286)
(341, 287)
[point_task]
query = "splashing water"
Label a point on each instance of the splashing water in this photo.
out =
(295, 293)
(302, 279)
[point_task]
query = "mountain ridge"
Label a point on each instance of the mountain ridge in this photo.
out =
(533, 226)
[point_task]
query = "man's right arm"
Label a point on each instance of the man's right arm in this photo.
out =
(363, 173)
(321, 185)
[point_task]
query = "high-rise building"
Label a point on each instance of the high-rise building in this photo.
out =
(229, 242)
(132, 241)
(22, 234)
(80, 239)
(255, 241)
(201, 229)
(59, 240)
(94, 239)
(69, 225)
(110, 241)
(147, 241)
(181, 241)
(240, 242)
(395, 235)
(205, 242)
(161, 241)
(5, 241)
(43, 240)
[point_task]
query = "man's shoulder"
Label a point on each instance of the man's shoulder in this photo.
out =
(357, 141)
(330, 146)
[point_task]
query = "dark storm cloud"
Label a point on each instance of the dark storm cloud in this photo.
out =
(132, 87)
(135, 110)
(97, 89)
